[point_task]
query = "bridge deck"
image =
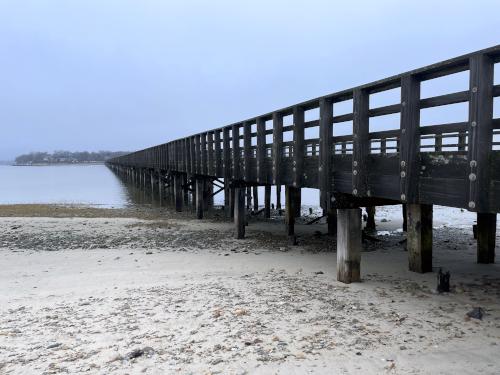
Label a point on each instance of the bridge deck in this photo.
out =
(451, 164)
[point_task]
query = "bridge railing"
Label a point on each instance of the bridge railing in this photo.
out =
(299, 145)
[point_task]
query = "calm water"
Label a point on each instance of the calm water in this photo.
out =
(92, 185)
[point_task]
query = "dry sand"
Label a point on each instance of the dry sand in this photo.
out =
(147, 291)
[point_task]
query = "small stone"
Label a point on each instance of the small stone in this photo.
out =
(476, 313)
(240, 312)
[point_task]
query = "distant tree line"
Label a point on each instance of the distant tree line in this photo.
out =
(66, 157)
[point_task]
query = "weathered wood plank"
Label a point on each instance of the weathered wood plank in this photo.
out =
(410, 139)
(298, 145)
(480, 131)
(349, 245)
(361, 144)
(261, 150)
(277, 147)
(419, 237)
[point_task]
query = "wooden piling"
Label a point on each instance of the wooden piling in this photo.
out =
(179, 198)
(297, 204)
(290, 200)
(348, 245)
(419, 237)
(255, 195)
(267, 201)
(331, 220)
(239, 212)
(486, 233)
(278, 197)
(199, 197)
(370, 220)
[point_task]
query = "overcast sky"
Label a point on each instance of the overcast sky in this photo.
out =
(124, 75)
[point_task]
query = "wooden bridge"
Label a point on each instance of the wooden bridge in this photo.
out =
(452, 164)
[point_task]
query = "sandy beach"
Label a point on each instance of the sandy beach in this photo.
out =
(132, 291)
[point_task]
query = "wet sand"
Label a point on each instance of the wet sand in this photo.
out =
(132, 291)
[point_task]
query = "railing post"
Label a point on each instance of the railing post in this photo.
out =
(236, 151)
(361, 145)
(277, 147)
(210, 156)
(410, 139)
(203, 152)
(218, 154)
(325, 150)
(261, 150)
(298, 146)
(480, 129)
(247, 144)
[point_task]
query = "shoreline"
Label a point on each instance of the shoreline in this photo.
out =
(146, 290)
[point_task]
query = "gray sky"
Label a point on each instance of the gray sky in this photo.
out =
(123, 74)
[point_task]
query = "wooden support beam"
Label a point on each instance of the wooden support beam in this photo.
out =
(218, 153)
(370, 220)
(409, 165)
(232, 197)
(486, 236)
(247, 152)
(361, 143)
(419, 237)
(255, 195)
(331, 220)
(349, 245)
(185, 189)
(199, 197)
(161, 189)
(325, 151)
(236, 151)
(298, 146)
(210, 154)
(405, 218)
(278, 197)
(290, 200)
(297, 204)
(267, 201)
(197, 147)
(239, 212)
(208, 194)
(203, 152)
(277, 147)
(480, 130)
(178, 193)
(226, 152)
(261, 150)
(249, 197)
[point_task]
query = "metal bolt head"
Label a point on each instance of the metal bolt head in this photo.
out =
(473, 163)
(320, 168)
(355, 172)
(403, 131)
(403, 197)
(472, 204)
(294, 184)
(294, 169)
(403, 103)
(474, 89)
(355, 163)
(403, 174)
(473, 124)
(355, 191)
(403, 163)
(258, 179)
(274, 181)
(472, 177)
(369, 193)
